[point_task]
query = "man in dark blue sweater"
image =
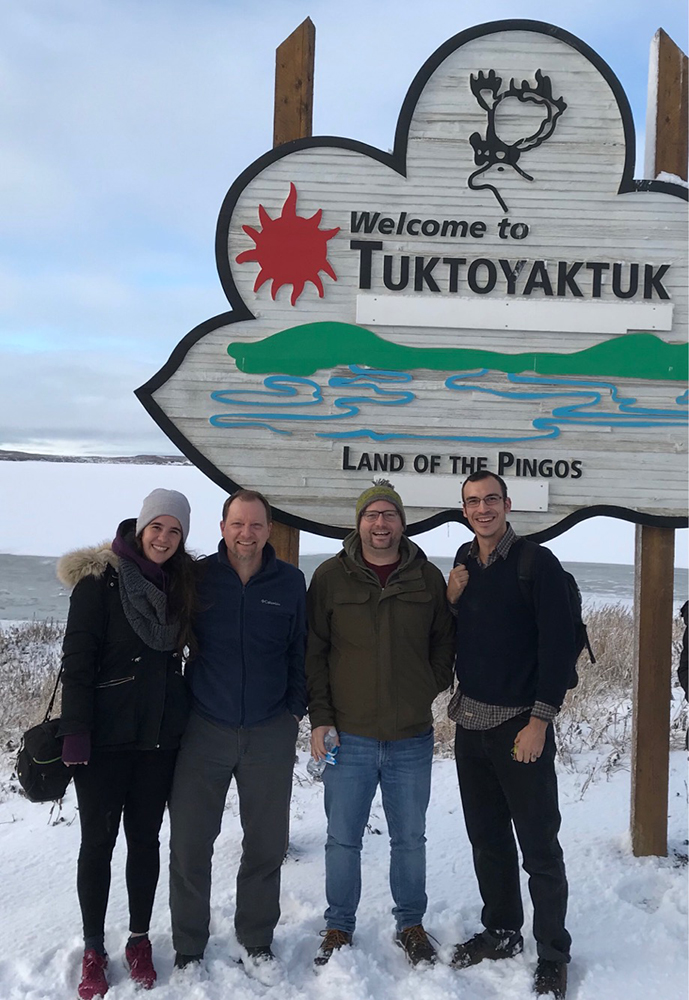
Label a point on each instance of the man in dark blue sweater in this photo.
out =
(248, 691)
(515, 654)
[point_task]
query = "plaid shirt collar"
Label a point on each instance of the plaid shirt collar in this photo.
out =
(501, 550)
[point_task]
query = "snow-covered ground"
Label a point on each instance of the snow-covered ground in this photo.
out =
(627, 916)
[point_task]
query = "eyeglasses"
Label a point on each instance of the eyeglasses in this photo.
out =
(490, 501)
(372, 515)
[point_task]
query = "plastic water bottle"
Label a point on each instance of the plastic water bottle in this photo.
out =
(316, 767)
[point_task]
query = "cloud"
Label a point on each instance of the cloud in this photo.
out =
(76, 403)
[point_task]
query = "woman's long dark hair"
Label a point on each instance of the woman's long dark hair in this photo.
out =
(182, 595)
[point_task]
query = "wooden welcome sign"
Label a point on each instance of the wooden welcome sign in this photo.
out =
(496, 292)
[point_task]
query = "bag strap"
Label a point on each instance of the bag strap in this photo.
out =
(526, 569)
(462, 553)
(53, 695)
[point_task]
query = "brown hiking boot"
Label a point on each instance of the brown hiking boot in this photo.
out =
(550, 979)
(416, 945)
(333, 940)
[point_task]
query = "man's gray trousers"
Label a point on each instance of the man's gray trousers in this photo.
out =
(261, 760)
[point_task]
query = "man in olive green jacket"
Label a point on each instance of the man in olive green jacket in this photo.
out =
(381, 647)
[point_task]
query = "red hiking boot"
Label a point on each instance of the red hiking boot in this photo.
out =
(138, 956)
(93, 982)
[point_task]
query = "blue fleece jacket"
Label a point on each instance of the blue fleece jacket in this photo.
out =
(250, 665)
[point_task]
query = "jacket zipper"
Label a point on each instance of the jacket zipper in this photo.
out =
(120, 680)
(175, 656)
(241, 646)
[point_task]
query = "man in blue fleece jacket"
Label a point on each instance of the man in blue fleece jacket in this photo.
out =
(515, 654)
(248, 693)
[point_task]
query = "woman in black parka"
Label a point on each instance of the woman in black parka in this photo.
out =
(124, 709)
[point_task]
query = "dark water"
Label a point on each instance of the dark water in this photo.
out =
(30, 590)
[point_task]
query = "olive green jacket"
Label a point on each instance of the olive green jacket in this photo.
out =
(377, 657)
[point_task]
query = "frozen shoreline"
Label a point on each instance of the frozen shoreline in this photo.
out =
(29, 589)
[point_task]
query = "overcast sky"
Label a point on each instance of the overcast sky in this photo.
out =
(122, 125)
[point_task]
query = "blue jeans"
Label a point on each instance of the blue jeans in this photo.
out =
(403, 770)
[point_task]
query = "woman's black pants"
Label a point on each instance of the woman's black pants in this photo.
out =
(133, 785)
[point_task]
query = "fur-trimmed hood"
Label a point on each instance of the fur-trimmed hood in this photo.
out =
(74, 566)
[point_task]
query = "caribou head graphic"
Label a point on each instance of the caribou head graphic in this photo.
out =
(491, 150)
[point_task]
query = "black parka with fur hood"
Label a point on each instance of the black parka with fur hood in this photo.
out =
(114, 686)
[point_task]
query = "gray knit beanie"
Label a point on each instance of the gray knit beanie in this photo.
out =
(165, 502)
(381, 490)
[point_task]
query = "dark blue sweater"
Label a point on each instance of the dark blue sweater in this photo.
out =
(250, 665)
(510, 652)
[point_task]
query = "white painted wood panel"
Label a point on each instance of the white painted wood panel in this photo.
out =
(544, 317)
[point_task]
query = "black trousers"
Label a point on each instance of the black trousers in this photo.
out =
(135, 785)
(499, 793)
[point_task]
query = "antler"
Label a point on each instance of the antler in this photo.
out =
(485, 82)
(541, 94)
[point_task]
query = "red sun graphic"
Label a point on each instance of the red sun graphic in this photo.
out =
(291, 250)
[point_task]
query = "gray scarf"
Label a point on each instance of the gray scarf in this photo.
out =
(145, 608)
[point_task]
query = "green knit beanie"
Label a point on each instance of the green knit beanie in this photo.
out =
(381, 490)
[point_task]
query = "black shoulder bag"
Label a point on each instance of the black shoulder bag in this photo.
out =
(40, 770)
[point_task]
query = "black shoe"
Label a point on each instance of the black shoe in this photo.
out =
(260, 963)
(182, 961)
(550, 979)
(333, 940)
(487, 944)
(416, 945)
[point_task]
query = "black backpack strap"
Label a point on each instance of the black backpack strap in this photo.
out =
(526, 568)
(462, 554)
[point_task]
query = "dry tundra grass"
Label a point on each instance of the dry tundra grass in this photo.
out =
(29, 662)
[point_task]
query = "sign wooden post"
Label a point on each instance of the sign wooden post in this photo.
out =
(666, 119)
(293, 116)
(294, 61)
(654, 561)
(655, 546)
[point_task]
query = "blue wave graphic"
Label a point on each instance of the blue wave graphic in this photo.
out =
(278, 386)
(286, 399)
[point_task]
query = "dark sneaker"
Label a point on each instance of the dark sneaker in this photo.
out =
(93, 982)
(260, 963)
(333, 940)
(182, 961)
(487, 944)
(416, 945)
(550, 979)
(137, 954)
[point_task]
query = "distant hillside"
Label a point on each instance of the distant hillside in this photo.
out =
(26, 456)
(304, 350)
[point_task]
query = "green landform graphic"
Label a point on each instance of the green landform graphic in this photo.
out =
(304, 350)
